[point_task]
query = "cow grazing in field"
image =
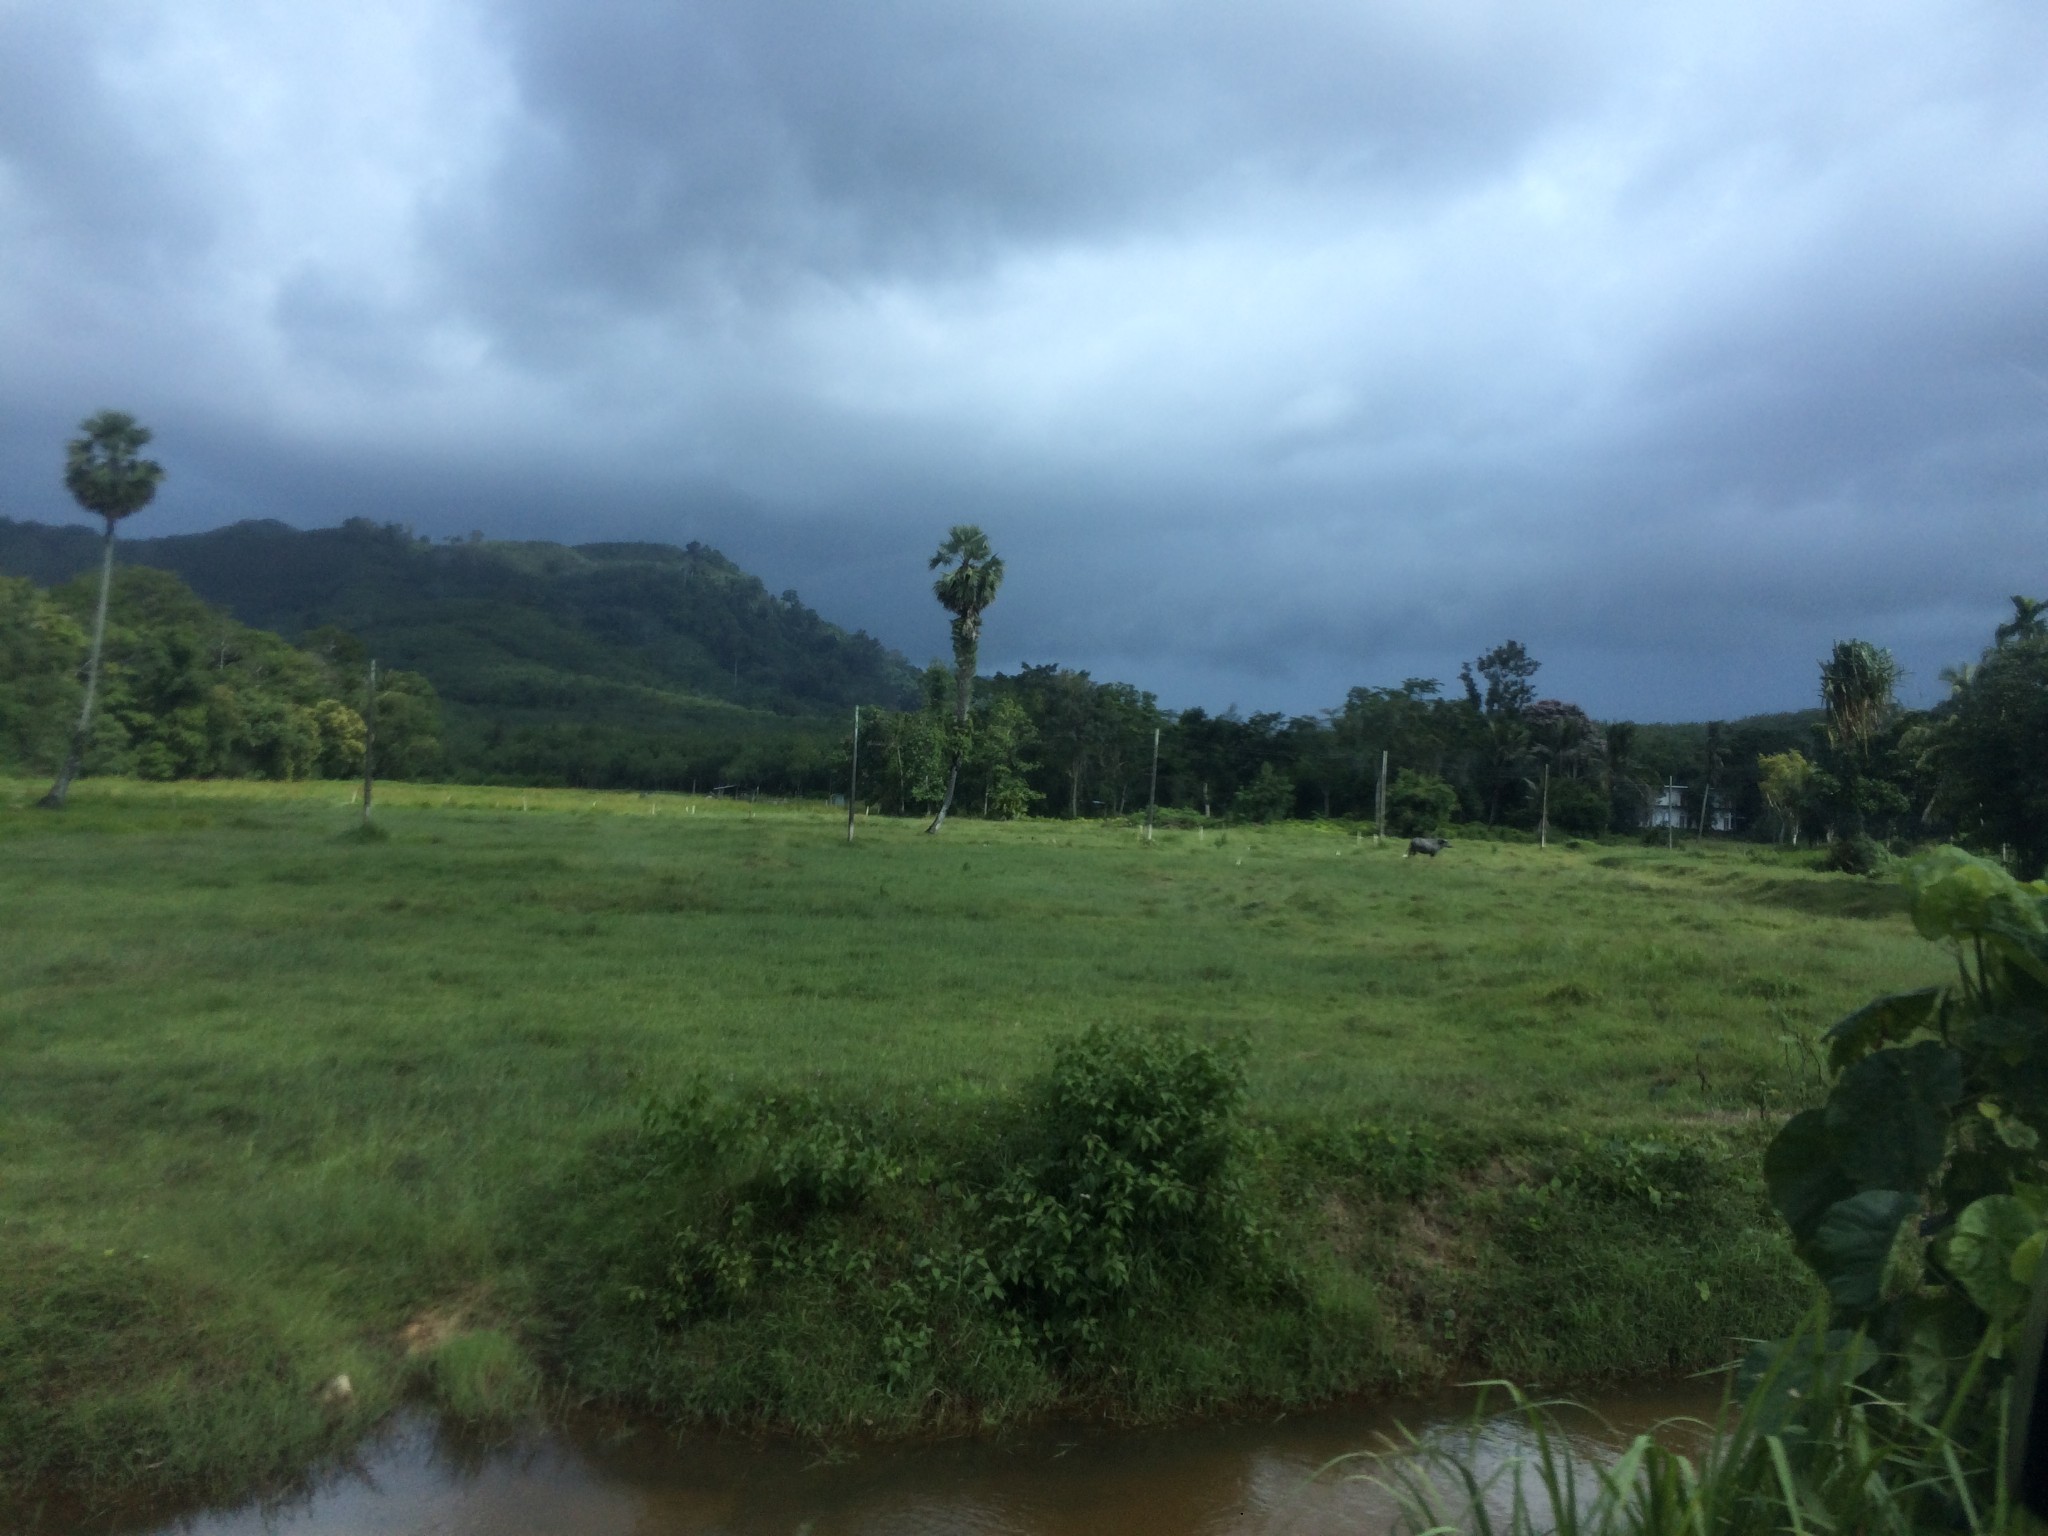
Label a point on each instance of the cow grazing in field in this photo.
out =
(1429, 845)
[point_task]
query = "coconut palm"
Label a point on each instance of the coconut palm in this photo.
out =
(2029, 618)
(1856, 685)
(105, 476)
(973, 572)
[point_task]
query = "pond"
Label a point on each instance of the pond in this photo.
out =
(1270, 1476)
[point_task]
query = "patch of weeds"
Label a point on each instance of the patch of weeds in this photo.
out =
(1832, 898)
(958, 1260)
(1858, 855)
(1771, 988)
(1653, 1175)
(480, 1378)
(78, 1328)
(1393, 1162)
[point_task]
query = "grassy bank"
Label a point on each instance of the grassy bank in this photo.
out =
(282, 1106)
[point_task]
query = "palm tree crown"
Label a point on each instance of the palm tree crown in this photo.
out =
(965, 591)
(2029, 618)
(104, 475)
(1856, 685)
(102, 471)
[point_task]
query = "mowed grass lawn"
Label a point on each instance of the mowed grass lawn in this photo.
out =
(310, 1075)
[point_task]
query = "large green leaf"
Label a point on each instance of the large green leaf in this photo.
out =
(2011, 1037)
(1853, 1242)
(1800, 1173)
(1958, 896)
(1887, 1117)
(1887, 1020)
(1980, 1253)
(1777, 1379)
(1938, 1332)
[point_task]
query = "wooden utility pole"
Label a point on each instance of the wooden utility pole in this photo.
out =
(369, 743)
(1379, 802)
(853, 780)
(1543, 822)
(1152, 795)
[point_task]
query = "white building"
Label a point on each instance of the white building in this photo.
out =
(1667, 809)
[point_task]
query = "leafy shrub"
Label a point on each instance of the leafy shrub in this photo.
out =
(751, 1174)
(1394, 1162)
(1859, 854)
(1419, 804)
(1269, 797)
(1577, 806)
(789, 1153)
(1643, 1172)
(1134, 1187)
(1918, 1193)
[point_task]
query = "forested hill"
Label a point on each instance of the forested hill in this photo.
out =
(532, 641)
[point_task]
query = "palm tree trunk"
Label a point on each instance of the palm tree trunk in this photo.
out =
(945, 805)
(963, 701)
(75, 758)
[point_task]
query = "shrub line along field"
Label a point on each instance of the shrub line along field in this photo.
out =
(284, 1104)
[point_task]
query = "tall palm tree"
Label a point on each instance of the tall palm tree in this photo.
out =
(2029, 618)
(105, 476)
(1857, 683)
(973, 572)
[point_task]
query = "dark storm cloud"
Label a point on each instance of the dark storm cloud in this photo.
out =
(1280, 348)
(103, 183)
(846, 140)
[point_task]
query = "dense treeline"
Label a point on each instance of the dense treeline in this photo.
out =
(1855, 773)
(187, 692)
(1057, 742)
(568, 659)
(614, 665)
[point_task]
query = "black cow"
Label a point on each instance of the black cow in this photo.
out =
(1429, 845)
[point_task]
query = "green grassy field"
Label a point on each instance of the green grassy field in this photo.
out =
(278, 1102)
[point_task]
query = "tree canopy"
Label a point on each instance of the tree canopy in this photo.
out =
(188, 692)
(103, 469)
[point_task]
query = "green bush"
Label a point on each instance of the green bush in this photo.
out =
(1114, 1231)
(790, 1153)
(1419, 804)
(751, 1174)
(1132, 1188)
(1577, 807)
(1269, 797)
(1858, 854)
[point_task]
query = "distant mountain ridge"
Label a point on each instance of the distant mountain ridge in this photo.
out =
(635, 640)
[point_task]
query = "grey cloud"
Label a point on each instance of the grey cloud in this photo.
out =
(73, 165)
(727, 142)
(1280, 348)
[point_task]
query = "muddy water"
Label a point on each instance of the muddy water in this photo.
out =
(1268, 1477)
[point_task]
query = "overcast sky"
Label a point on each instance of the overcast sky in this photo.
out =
(1278, 347)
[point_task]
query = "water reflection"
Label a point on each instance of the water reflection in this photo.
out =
(1263, 1478)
